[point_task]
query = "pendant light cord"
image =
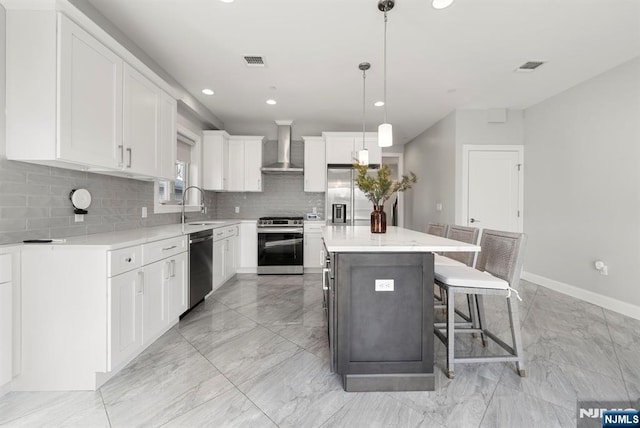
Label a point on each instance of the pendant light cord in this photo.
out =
(364, 77)
(385, 66)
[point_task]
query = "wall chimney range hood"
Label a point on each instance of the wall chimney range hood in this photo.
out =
(284, 151)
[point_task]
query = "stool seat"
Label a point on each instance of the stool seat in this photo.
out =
(465, 276)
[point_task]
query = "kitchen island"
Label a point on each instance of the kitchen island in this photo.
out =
(378, 297)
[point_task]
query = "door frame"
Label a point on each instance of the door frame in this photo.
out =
(466, 149)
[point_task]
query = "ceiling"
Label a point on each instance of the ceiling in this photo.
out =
(462, 57)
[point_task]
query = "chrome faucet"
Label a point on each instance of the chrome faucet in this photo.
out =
(203, 209)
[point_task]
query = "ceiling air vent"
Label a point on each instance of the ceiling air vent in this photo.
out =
(255, 61)
(529, 66)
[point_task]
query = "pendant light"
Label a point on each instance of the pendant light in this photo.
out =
(363, 155)
(385, 130)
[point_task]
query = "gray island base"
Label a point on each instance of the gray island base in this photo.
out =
(379, 304)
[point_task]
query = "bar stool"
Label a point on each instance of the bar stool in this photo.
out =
(497, 272)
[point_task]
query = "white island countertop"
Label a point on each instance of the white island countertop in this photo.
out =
(349, 239)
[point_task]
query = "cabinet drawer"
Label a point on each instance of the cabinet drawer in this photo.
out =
(124, 260)
(313, 227)
(159, 250)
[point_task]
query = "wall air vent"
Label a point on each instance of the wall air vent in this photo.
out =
(529, 66)
(255, 61)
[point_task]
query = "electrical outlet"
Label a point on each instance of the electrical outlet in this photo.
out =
(79, 218)
(144, 212)
(385, 284)
(237, 210)
(315, 210)
(439, 206)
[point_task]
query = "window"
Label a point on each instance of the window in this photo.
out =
(169, 193)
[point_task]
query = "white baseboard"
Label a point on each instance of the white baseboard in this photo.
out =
(247, 270)
(606, 302)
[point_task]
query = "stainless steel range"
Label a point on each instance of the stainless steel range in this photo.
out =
(280, 245)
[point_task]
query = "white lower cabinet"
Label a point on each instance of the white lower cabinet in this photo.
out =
(313, 247)
(125, 326)
(219, 251)
(247, 248)
(225, 241)
(105, 308)
(6, 321)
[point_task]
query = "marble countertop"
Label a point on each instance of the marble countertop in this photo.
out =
(360, 239)
(128, 238)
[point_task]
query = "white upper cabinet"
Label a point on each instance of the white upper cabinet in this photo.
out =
(236, 165)
(168, 133)
(90, 99)
(215, 165)
(232, 163)
(315, 165)
(343, 147)
(253, 164)
(141, 125)
(73, 102)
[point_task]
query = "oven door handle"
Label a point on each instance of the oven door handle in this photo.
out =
(280, 230)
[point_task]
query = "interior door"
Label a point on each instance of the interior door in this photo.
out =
(494, 187)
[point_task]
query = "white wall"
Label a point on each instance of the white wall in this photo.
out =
(473, 128)
(431, 155)
(582, 178)
(436, 156)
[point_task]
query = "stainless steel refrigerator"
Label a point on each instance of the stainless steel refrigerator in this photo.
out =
(342, 189)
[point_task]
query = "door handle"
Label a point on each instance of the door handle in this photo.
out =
(129, 164)
(173, 268)
(473, 220)
(121, 162)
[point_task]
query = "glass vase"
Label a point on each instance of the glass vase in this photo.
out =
(378, 220)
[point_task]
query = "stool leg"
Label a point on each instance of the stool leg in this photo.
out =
(481, 319)
(451, 312)
(514, 320)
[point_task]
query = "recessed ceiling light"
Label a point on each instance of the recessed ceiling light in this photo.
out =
(441, 4)
(226, 1)
(207, 91)
(271, 102)
(378, 103)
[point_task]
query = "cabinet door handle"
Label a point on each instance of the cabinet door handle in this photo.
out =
(167, 270)
(128, 259)
(321, 257)
(325, 271)
(141, 282)
(129, 151)
(173, 268)
(169, 248)
(121, 161)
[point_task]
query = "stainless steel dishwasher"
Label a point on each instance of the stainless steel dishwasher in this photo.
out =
(200, 266)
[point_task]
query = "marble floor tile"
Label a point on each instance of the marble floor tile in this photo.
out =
(298, 392)
(513, 408)
(459, 402)
(53, 409)
(564, 384)
(250, 354)
(576, 347)
(378, 409)
(311, 338)
(625, 333)
(208, 329)
(231, 409)
(155, 392)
